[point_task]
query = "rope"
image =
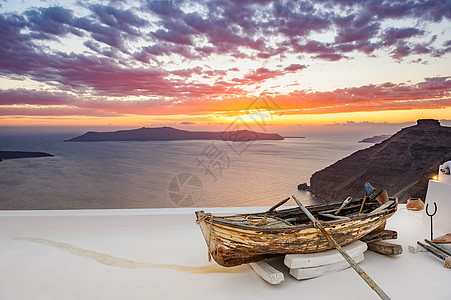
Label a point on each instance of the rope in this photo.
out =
(204, 217)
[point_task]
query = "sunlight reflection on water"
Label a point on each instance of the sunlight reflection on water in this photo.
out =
(137, 174)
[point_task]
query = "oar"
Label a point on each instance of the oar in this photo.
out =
(349, 259)
(438, 247)
(278, 204)
(343, 205)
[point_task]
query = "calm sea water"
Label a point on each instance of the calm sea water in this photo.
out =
(162, 174)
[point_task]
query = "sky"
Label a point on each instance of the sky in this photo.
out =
(196, 63)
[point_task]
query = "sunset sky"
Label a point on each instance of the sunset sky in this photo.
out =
(187, 63)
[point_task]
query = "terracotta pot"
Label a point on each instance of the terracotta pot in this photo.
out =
(415, 204)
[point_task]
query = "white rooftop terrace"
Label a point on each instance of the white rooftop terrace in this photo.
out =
(161, 254)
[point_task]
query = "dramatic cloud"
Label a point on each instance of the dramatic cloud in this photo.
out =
(431, 93)
(184, 54)
(22, 96)
(392, 35)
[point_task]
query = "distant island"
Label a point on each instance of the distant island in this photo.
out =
(375, 139)
(170, 134)
(21, 154)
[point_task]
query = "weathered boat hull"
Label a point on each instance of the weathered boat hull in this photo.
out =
(231, 245)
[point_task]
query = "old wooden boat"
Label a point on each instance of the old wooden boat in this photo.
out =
(239, 239)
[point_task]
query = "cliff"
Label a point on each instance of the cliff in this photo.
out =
(402, 165)
(169, 133)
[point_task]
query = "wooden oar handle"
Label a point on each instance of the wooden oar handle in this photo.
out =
(433, 251)
(305, 210)
(439, 248)
(278, 204)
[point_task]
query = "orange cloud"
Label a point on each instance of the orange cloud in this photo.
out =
(432, 93)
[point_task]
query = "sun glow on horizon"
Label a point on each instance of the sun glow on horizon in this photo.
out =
(263, 118)
(119, 63)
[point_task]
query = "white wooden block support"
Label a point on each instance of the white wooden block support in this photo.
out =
(309, 260)
(267, 272)
(305, 273)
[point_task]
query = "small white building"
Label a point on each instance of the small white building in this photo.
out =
(439, 192)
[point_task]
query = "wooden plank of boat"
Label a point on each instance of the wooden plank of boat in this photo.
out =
(385, 248)
(382, 207)
(267, 272)
(311, 260)
(231, 246)
(306, 273)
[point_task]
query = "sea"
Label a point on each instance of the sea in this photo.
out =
(163, 174)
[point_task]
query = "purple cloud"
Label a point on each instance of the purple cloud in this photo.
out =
(431, 93)
(123, 20)
(187, 72)
(128, 51)
(295, 67)
(392, 35)
(350, 34)
(297, 20)
(50, 22)
(33, 97)
(330, 56)
(176, 33)
(164, 8)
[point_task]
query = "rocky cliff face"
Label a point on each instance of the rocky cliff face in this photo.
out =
(402, 165)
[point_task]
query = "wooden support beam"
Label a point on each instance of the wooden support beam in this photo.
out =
(310, 260)
(306, 273)
(267, 272)
(385, 248)
(380, 235)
